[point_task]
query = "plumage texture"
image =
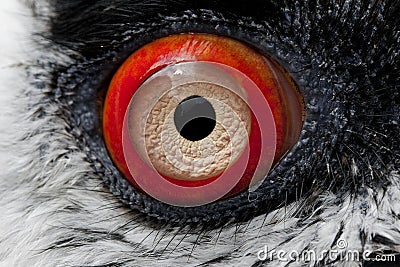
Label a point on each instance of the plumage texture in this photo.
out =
(55, 210)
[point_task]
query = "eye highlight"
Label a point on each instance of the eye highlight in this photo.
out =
(193, 118)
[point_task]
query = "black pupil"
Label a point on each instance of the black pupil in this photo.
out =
(194, 118)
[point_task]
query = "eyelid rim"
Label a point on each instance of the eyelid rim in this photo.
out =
(284, 176)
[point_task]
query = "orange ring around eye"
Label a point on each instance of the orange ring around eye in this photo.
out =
(193, 48)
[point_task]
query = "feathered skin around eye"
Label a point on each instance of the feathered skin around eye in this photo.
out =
(340, 181)
(334, 85)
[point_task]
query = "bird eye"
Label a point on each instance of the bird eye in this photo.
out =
(193, 118)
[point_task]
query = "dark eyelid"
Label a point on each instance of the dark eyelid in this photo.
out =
(83, 111)
(103, 66)
(95, 27)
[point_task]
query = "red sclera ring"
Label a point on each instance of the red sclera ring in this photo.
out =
(193, 118)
